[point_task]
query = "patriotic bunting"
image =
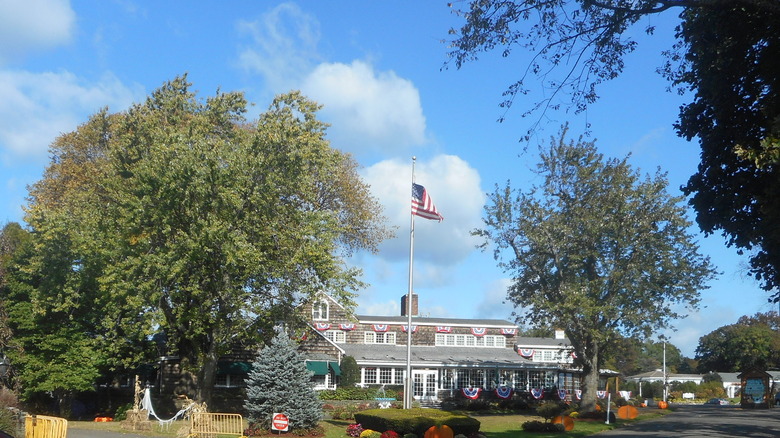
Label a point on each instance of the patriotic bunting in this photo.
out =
(504, 392)
(509, 332)
(406, 327)
(347, 327)
(526, 352)
(537, 393)
(601, 394)
(478, 331)
(578, 394)
(322, 326)
(380, 327)
(625, 394)
(562, 394)
(443, 329)
(471, 393)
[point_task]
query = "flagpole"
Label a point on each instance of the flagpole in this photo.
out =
(409, 389)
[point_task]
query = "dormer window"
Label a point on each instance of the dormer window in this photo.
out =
(319, 311)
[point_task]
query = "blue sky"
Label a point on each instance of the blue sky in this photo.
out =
(377, 69)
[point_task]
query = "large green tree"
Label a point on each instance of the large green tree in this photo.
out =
(189, 220)
(596, 250)
(751, 342)
(54, 350)
(726, 57)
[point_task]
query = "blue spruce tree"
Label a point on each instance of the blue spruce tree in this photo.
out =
(280, 382)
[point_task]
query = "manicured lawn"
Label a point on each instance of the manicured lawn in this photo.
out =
(493, 426)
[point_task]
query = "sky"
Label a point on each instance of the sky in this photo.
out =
(379, 70)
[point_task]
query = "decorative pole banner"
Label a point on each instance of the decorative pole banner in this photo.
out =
(478, 331)
(601, 394)
(504, 392)
(321, 326)
(347, 327)
(509, 332)
(406, 327)
(578, 394)
(443, 329)
(471, 393)
(561, 394)
(525, 352)
(537, 393)
(380, 327)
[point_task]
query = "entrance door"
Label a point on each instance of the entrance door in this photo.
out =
(424, 385)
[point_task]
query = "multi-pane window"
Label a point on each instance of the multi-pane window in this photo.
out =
(379, 338)
(470, 378)
(383, 376)
(541, 379)
(520, 378)
(450, 340)
(386, 375)
(560, 356)
(319, 311)
(337, 336)
(369, 375)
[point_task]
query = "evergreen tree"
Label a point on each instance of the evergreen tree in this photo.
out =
(350, 372)
(280, 382)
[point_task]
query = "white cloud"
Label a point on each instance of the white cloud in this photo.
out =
(34, 24)
(493, 296)
(387, 308)
(37, 107)
(369, 111)
(283, 46)
(454, 187)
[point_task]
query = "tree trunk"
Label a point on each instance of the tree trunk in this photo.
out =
(207, 377)
(64, 402)
(590, 383)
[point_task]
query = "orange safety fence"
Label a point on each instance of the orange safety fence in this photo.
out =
(42, 426)
(213, 424)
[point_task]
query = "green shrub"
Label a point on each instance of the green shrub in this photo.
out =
(550, 410)
(121, 412)
(539, 426)
(415, 421)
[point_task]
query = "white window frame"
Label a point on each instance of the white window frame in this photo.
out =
(370, 337)
(465, 340)
(337, 336)
(320, 310)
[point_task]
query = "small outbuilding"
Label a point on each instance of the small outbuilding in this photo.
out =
(756, 389)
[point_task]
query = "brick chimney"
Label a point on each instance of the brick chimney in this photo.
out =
(404, 305)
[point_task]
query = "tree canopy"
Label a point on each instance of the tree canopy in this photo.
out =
(595, 250)
(753, 342)
(726, 57)
(178, 216)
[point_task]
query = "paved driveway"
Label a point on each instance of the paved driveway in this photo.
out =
(705, 421)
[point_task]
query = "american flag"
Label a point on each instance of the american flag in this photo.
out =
(422, 205)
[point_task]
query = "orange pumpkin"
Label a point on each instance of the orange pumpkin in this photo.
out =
(627, 412)
(442, 431)
(567, 421)
(663, 405)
